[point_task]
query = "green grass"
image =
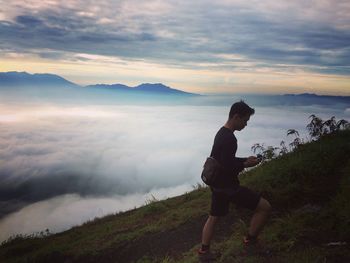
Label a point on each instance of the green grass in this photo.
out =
(309, 190)
(111, 231)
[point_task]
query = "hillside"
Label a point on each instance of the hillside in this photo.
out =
(309, 190)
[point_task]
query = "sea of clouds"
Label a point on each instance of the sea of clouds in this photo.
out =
(64, 164)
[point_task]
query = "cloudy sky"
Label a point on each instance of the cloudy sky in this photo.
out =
(198, 46)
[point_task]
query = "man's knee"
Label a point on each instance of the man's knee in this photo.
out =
(213, 219)
(264, 206)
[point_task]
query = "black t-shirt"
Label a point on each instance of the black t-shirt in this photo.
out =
(224, 151)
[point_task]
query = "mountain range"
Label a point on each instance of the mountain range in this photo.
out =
(54, 84)
(24, 79)
(17, 79)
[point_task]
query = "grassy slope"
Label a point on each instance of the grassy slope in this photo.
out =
(309, 190)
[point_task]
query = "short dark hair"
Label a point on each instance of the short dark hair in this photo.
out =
(241, 108)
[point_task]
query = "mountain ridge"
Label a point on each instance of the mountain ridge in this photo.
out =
(24, 79)
(313, 95)
(144, 87)
(14, 78)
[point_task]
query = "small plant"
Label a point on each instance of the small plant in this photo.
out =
(199, 186)
(297, 141)
(343, 125)
(270, 153)
(329, 126)
(283, 148)
(267, 153)
(258, 148)
(151, 200)
(293, 132)
(315, 127)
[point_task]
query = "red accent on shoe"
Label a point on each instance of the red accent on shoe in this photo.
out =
(202, 252)
(247, 241)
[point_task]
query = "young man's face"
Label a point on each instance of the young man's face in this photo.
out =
(241, 122)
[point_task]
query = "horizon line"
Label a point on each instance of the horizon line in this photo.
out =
(200, 93)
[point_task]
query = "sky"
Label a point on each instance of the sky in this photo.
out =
(223, 46)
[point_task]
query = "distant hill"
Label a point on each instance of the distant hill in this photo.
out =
(119, 87)
(145, 87)
(313, 95)
(317, 99)
(20, 79)
(24, 79)
(158, 87)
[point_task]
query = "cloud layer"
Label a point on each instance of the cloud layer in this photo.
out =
(89, 160)
(47, 151)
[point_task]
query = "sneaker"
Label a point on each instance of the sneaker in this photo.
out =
(254, 247)
(207, 255)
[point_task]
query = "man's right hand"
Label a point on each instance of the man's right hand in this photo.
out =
(251, 161)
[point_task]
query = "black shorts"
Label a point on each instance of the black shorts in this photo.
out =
(241, 197)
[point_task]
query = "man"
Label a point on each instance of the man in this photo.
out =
(227, 188)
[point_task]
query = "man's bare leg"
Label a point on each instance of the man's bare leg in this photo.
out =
(208, 230)
(260, 217)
